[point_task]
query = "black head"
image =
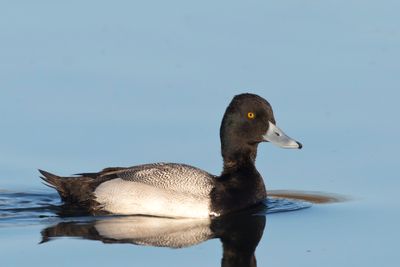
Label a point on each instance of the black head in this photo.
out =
(249, 120)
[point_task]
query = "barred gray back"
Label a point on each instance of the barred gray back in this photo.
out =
(171, 176)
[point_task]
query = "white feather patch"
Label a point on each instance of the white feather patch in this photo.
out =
(128, 198)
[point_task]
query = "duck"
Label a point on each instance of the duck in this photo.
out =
(179, 190)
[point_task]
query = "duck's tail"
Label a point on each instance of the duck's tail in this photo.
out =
(72, 190)
(54, 181)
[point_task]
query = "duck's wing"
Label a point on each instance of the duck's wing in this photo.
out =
(170, 176)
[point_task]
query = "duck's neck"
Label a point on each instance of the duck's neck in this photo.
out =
(239, 158)
(240, 185)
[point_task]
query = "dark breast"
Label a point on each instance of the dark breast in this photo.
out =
(237, 190)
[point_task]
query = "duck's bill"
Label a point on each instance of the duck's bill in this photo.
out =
(277, 137)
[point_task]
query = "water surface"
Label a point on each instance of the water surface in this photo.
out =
(239, 233)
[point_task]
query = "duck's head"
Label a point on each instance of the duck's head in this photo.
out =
(248, 121)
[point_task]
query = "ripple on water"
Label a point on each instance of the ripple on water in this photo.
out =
(23, 208)
(308, 196)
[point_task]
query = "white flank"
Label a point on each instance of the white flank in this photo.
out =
(129, 198)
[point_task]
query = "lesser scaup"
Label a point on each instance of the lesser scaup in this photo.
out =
(179, 190)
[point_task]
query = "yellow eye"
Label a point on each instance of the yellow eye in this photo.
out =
(251, 115)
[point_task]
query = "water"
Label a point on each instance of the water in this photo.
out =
(239, 233)
(89, 85)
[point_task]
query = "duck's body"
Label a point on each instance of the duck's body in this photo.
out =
(179, 190)
(161, 189)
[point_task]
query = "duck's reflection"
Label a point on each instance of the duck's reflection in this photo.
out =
(239, 233)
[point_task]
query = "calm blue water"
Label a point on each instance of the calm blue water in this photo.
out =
(85, 85)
